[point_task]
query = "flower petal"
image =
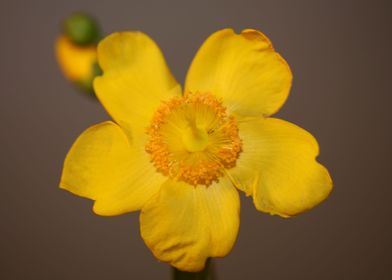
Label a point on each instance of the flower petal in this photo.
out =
(103, 166)
(278, 167)
(243, 69)
(135, 80)
(184, 225)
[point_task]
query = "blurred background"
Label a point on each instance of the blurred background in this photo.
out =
(340, 54)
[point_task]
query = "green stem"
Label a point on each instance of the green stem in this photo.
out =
(206, 274)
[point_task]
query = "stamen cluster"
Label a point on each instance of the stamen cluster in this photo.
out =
(183, 116)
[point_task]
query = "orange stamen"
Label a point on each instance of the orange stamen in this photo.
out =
(197, 114)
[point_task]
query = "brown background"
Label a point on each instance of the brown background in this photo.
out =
(340, 53)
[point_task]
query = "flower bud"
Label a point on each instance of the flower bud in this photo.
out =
(78, 63)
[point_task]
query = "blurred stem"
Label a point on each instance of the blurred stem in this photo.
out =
(206, 274)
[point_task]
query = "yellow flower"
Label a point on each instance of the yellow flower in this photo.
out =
(76, 62)
(180, 157)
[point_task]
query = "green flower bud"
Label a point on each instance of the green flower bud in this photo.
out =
(81, 29)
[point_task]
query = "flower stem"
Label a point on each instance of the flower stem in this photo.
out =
(206, 274)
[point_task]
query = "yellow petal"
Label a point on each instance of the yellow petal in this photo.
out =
(103, 166)
(243, 69)
(184, 225)
(135, 80)
(76, 62)
(278, 167)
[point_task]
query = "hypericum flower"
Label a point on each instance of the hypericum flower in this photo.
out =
(180, 157)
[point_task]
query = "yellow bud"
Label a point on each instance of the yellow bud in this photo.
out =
(76, 62)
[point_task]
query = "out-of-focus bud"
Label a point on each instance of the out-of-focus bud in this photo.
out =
(76, 51)
(81, 29)
(77, 63)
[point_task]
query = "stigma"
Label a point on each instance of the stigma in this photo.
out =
(193, 139)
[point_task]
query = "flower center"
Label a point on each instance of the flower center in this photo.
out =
(193, 139)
